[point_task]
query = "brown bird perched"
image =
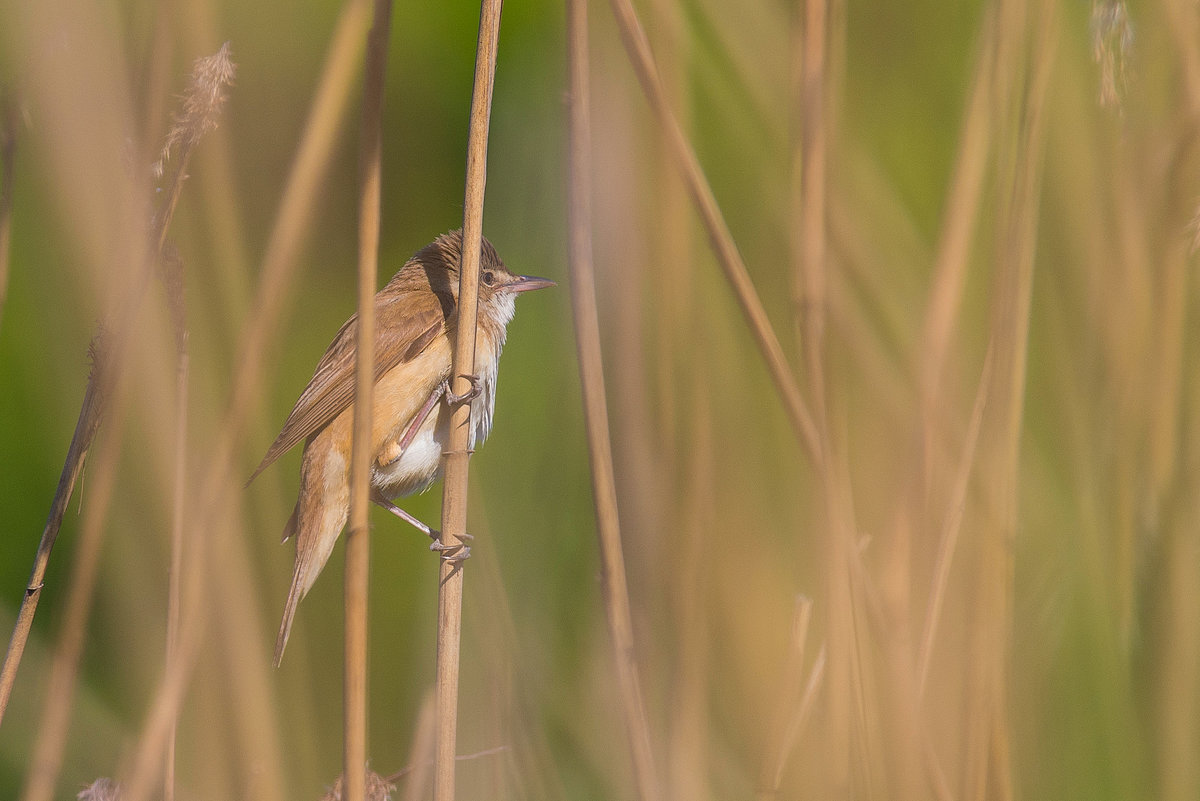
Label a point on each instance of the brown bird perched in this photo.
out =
(416, 316)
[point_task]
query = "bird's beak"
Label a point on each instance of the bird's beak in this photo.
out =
(528, 283)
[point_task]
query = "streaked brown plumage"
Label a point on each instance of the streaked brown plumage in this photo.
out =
(415, 317)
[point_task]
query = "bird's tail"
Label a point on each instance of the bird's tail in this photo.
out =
(294, 594)
(289, 614)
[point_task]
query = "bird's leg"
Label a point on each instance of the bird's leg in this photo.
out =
(470, 394)
(450, 553)
(395, 450)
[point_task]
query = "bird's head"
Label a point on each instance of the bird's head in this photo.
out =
(498, 286)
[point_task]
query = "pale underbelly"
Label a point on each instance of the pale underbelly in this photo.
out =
(417, 468)
(421, 463)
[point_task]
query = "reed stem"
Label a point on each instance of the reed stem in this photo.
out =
(591, 375)
(454, 498)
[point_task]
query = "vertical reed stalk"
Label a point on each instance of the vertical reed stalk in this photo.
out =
(775, 754)
(845, 697)
(358, 542)
(454, 498)
(173, 275)
(591, 373)
(951, 527)
(688, 760)
(141, 770)
(420, 754)
(961, 216)
(811, 279)
(988, 758)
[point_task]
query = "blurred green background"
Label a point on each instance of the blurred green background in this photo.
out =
(1089, 660)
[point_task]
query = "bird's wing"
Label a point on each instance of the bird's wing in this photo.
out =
(405, 324)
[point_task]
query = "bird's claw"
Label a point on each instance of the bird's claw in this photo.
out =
(471, 394)
(451, 553)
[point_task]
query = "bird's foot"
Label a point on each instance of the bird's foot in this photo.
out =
(450, 553)
(456, 554)
(471, 394)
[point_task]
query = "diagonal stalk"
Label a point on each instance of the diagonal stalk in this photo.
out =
(638, 48)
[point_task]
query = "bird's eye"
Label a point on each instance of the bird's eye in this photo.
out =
(488, 277)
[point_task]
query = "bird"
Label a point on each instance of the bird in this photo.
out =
(416, 317)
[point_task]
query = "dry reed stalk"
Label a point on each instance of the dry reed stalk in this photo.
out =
(152, 85)
(1173, 494)
(1113, 39)
(141, 773)
(591, 373)
(809, 270)
(457, 457)
(1164, 401)
(46, 762)
(94, 400)
(688, 747)
(908, 732)
(952, 526)
(961, 212)
(669, 488)
(420, 753)
(176, 301)
(803, 711)
(8, 162)
(492, 629)
(988, 769)
(947, 545)
(358, 542)
(847, 706)
(642, 59)
(531, 768)
(844, 705)
(671, 244)
(776, 753)
(1177, 773)
(251, 683)
(210, 576)
(954, 242)
(688, 759)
